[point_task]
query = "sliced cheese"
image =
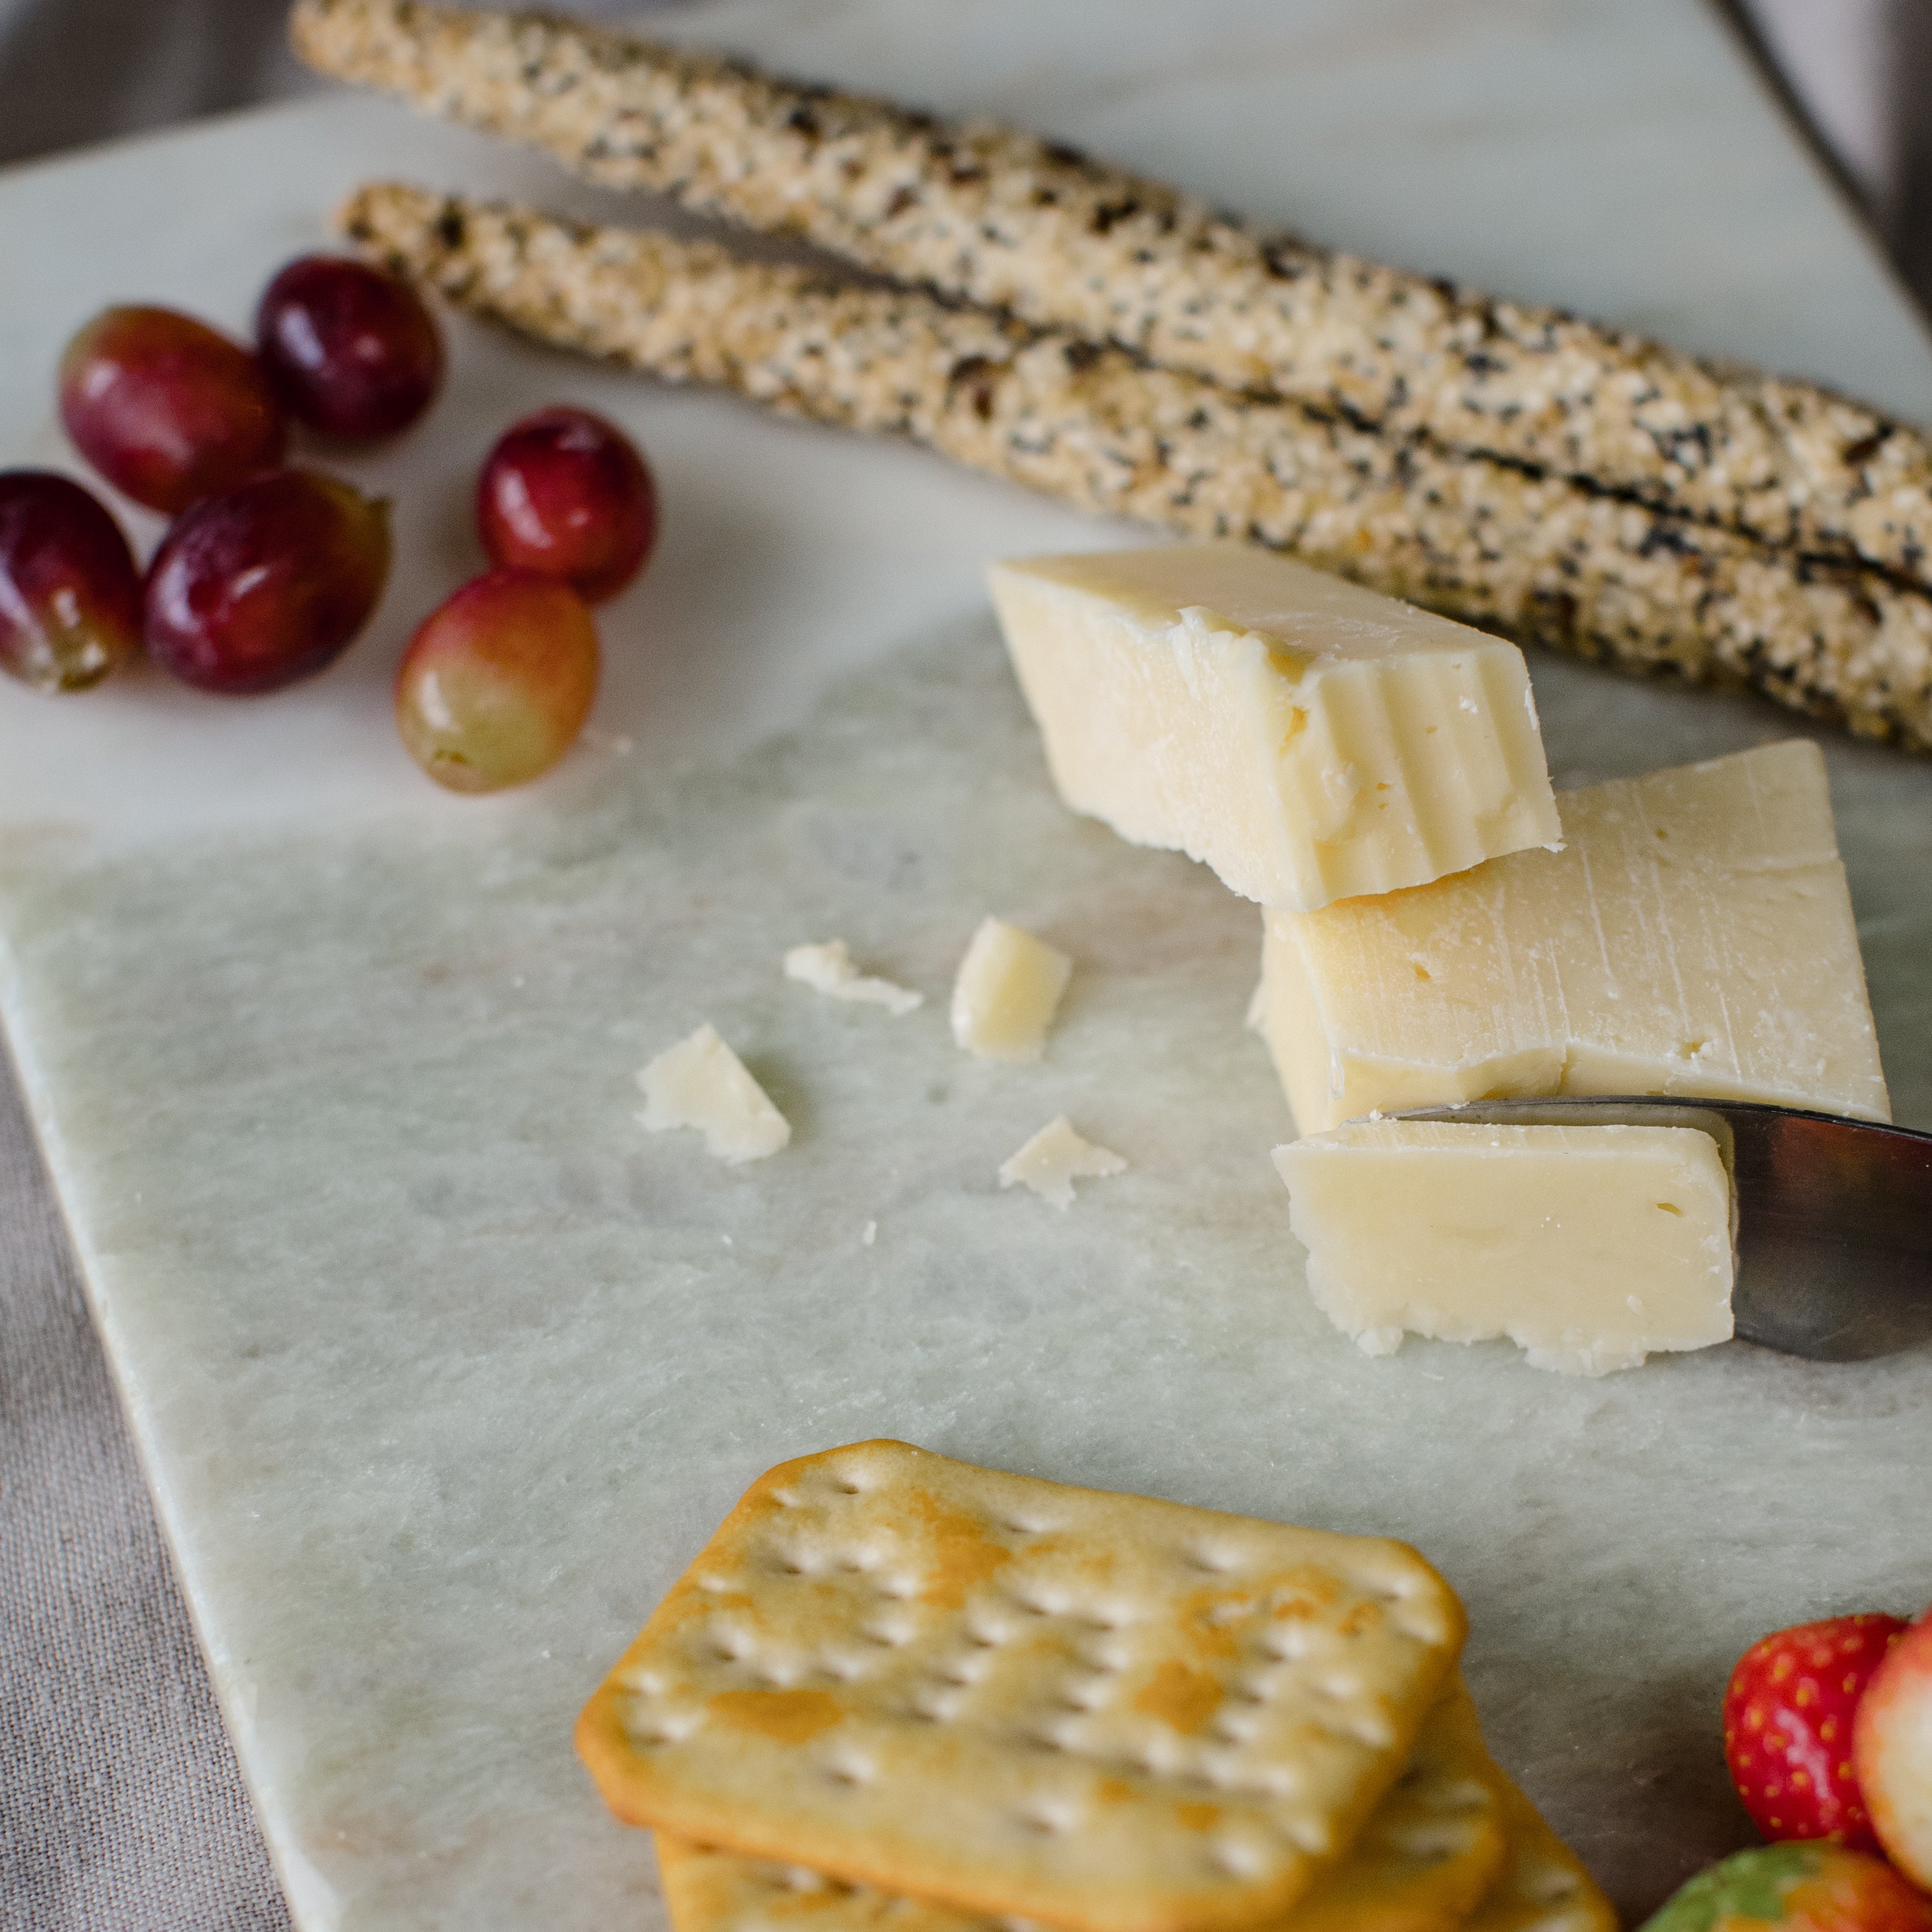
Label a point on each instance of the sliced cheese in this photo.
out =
(828, 969)
(1054, 1159)
(1308, 739)
(1588, 1247)
(701, 1083)
(1694, 936)
(1006, 993)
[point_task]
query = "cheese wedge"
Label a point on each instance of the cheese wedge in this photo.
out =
(1588, 1247)
(1307, 738)
(1694, 936)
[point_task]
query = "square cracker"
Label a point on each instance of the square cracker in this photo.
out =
(1104, 1712)
(1432, 1848)
(1543, 1887)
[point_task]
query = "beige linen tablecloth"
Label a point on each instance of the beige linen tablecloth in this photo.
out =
(121, 1806)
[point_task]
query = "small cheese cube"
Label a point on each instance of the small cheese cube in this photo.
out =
(701, 1083)
(1695, 936)
(1054, 1159)
(1590, 1247)
(1308, 739)
(1008, 989)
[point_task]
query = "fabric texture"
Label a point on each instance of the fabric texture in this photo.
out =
(121, 1807)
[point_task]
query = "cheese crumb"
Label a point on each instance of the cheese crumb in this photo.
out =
(828, 969)
(701, 1083)
(1050, 1162)
(1006, 993)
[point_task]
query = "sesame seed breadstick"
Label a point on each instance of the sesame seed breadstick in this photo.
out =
(1541, 559)
(1010, 221)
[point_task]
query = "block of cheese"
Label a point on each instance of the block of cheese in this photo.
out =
(1308, 739)
(1694, 936)
(701, 1083)
(1589, 1247)
(1006, 992)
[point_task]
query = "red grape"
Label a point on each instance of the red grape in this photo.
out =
(168, 409)
(351, 351)
(269, 584)
(566, 492)
(495, 687)
(70, 594)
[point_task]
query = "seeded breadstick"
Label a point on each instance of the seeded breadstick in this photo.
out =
(1542, 559)
(1010, 221)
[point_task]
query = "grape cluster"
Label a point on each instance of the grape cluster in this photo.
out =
(269, 571)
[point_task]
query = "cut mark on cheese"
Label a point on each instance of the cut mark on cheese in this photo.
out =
(1007, 991)
(1054, 1159)
(828, 969)
(1548, 1235)
(1722, 962)
(1307, 738)
(701, 1083)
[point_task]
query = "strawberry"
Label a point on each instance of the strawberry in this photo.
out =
(1795, 1888)
(1788, 1727)
(1892, 1750)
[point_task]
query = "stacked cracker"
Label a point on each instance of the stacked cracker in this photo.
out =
(895, 1688)
(1106, 339)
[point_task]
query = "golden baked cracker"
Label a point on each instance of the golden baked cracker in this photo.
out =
(706, 1891)
(1429, 1852)
(1105, 1712)
(1434, 1846)
(1543, 1887)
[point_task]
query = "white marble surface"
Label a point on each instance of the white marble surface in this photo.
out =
(440, 1369)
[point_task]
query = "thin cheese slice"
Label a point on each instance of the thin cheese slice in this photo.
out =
(1589, 1247)
(1308, 739)
(701, 1083)
(1694, 936)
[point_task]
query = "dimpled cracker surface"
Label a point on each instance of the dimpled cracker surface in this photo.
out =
(1432, 1847)
(1103, 1712)
(1543, 1887)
